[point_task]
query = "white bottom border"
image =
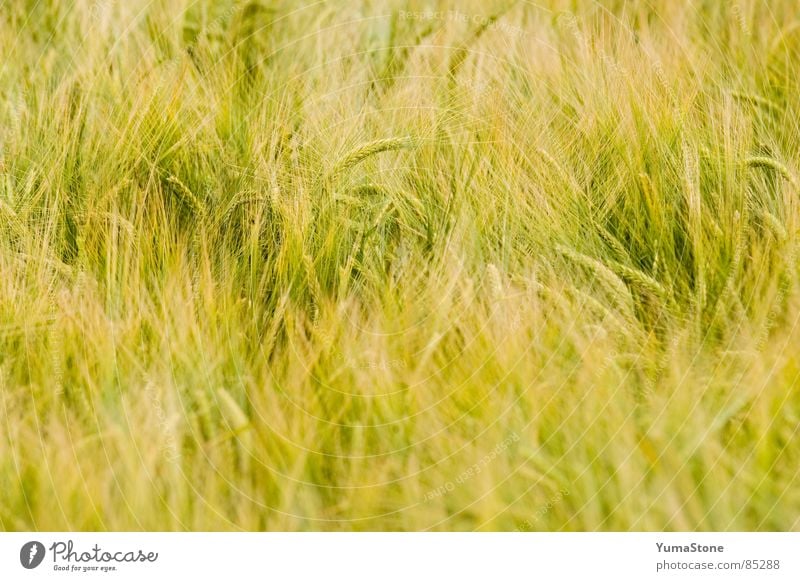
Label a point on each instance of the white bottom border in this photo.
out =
(401, 556)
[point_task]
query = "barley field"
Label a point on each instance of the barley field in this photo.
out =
(399, 265)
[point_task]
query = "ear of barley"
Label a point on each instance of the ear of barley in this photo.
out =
(234, 415)
(359, 154)
(651, 200)
(239, 200)
(608, 277)
(773, 164)
(691, 175)
(756, 100)
(495, 282)
(566, 177)
(773, 224)
(349, 200)
(11, 218)
(639, 279)
(188, 196)
(371, 191)
(461, 53)
(586, 300)
(311, 276)
(615, 245)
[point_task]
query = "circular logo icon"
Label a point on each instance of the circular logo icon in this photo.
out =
(31, 554)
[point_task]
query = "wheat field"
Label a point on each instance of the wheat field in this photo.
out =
(399, 265)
